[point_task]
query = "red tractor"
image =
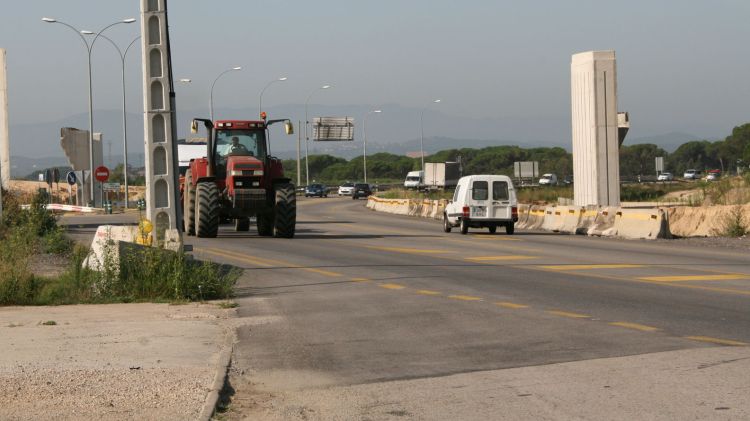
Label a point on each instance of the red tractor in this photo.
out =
(238, 179)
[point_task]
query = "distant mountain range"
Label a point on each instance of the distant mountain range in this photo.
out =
(396, 130)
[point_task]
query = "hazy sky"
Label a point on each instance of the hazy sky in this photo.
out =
(683, 65)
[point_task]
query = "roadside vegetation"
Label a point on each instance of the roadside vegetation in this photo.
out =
(143, 274)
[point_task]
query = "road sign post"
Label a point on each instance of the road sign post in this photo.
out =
(102, 174)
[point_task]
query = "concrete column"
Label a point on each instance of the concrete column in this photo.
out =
(4, 132)
(596, 159)
(160, 159)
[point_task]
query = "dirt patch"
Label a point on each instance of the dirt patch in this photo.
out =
(705, 221)
(25, 189)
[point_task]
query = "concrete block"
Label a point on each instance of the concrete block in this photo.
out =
(646, 224)
(603, 222)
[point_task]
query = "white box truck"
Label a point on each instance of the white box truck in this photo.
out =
(440, 175)
(414, 180)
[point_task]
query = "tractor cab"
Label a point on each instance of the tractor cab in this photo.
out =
(239, 144)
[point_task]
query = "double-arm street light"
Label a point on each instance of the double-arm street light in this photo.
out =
(364, 138)
(260, 101)
(421, 133)
(89, 47)
(123, 55)
(211, 94)
(307, 137)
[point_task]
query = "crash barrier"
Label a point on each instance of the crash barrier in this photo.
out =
(68, 208)
(592, 220)
(640, 224)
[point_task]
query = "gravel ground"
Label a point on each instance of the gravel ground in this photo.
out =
(109, 362)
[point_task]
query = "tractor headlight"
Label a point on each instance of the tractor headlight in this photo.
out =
(236, 173)
(258, 172)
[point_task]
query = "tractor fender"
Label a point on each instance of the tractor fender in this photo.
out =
(206, 179)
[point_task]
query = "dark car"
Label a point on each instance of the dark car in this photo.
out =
(319, 190)
(361, 190)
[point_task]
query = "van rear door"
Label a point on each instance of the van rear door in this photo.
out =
(500, 207)
(479, 199)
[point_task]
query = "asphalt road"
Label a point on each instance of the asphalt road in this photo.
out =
(361, 300)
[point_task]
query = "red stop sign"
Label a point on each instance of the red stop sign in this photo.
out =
(101, 173)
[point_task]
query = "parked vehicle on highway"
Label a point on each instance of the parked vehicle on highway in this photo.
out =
(319, 190)
(568, 180)
(482, 201)
(713, 175)
(414, 180)
(361, 190)
(691, 175)
(665, 176)
(548, 180)
(346, 189)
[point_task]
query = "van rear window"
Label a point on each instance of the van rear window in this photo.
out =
(500, 190)
(479, 190)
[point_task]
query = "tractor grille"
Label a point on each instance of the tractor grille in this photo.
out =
(249, 198)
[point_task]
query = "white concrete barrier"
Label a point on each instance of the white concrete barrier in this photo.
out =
(640, 224)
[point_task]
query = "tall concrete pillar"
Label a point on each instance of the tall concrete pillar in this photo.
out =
(596, 159)
(160, 157)
(4, 132)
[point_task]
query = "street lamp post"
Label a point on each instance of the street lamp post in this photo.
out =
(421, 134)
(260, 101)
(364, 138)
(307, 137)
(123, 56)
(89, 47)
(211, 95)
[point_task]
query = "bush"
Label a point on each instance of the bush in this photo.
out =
(734, 224)
(143, 274)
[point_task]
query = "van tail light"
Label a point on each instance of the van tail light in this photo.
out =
(514, 211)
(466, 211)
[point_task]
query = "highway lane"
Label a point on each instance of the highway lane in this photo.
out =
(360, 298)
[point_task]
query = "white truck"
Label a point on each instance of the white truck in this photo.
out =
(189, 151)
(414, 180)
(441, 175)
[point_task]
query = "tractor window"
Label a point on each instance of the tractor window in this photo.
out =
(240, 142)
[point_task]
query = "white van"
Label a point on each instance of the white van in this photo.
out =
(548, 180)
(482, 201)
(414, 180)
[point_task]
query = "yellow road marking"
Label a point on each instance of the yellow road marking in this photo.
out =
(223, 253)
(585, 267)
(708, 339)
(493, 237)
(391, 286)
(409, 250)
(464, 298)
(360, 280)
(496, 258)
(727, 277)
(635, 326)
(511, 305)
(268, 262)
(427, 292)
(568, 314)
(323, 272)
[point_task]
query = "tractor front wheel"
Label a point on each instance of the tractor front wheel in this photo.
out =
(285, 211)
(242, 224)
(206, 210)
(265, 224)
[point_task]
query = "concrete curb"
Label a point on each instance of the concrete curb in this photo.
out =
(222, 370)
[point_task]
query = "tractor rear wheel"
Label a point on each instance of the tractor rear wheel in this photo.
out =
(285, 211)
(188, 207)
(206, 210)
(242, 224)
(265, 224)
